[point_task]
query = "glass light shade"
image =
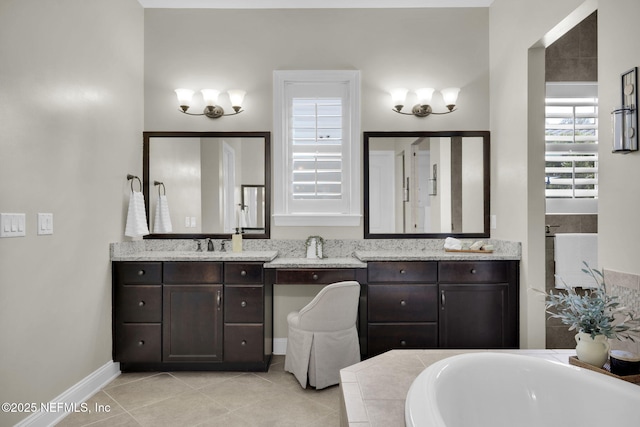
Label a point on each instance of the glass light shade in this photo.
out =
(424, 95)
(184, 96)
(398, 96)
(450, 95)
(210, 97)
(236, 97)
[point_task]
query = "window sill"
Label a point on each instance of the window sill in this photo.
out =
(301, 220)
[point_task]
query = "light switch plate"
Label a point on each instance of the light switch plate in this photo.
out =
(45, 223)
(13, 225)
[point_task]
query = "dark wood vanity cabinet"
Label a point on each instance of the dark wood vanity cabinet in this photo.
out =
(191, 315)
(478, 304)
(192, 294)
(441, 304)
(402, 306)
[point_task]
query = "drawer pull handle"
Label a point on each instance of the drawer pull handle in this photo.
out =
(243, 273)
(243, 304)
(244, 342)
(314, 277)
(473, 271)
(403, 343)
(141, 304)
(218, 299)
(140, 272)
(140, 343)
(442, 300)
(403, 303)
(403, 272)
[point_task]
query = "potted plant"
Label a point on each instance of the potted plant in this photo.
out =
(596, 316)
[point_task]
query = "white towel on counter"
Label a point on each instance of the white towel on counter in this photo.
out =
(136, 217)
(452, 243)
(571, 251)
(162, 219)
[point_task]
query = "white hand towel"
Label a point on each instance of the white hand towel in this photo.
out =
(452, 243)
(136, 216)
(162, 220)
(571, 249)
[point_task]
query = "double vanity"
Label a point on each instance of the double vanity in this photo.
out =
(176, 309)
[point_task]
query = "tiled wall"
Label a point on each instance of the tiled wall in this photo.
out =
(558, 335)
(627, 287)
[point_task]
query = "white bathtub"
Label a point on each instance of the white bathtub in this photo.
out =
(501, 389)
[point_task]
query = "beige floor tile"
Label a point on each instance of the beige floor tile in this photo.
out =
(386, 413)
(147, 391)
(199, 379)
(286, 409)
(122, 420)
(187, 409)
(107, 408)
(241, 391)
(128, 377)
(231, 419)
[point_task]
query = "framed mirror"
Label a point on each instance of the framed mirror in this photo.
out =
(212, 183)
(426, 184)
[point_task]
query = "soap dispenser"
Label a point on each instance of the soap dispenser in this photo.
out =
(236, 241)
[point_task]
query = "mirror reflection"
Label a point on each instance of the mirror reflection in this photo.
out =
(426, 184)
(212, 182)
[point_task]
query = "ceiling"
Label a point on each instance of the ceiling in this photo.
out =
(309, 4)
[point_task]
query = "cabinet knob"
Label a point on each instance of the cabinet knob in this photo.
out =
(314, 277)
(141, 304)
(140, 272)
(244, 342)
(403, 303)
(243, 304)
(402, 271)
(140, 343)
(473, 271)
(403, 343)
(243, 273)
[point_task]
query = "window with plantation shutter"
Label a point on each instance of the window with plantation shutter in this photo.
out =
(316, 148)
(571, 153)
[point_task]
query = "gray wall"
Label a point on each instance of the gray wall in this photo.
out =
(71, 107)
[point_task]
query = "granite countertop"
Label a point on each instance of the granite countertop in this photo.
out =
(431, 255)
(347, 262)
(197, 256)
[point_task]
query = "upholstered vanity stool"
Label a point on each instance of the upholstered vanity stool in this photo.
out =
(322, 336)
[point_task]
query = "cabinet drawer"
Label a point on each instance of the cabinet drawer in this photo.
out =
(474, 271)
(192, 272)
(138, 342)
(139, 303)
(138, 272)
(403, 271)
(322, 276)
(243, 272)
(243, 304)
(243, 343)
(403, 303)
(400, 336)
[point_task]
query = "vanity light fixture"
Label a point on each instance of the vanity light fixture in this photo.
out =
(210, 96)
(424, 95)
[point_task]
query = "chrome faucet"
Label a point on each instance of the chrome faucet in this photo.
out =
(199, 248)
(223, 248)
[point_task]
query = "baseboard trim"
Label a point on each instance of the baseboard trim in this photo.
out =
(280, 346)
(77, 394)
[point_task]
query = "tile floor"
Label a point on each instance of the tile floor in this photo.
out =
(229, 399)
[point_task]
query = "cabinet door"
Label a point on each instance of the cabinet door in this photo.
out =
(474, 316)
(192, 323)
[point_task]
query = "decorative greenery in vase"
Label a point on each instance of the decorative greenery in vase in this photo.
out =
(595, 312)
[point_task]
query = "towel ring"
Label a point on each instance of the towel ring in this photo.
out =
(158, 183)
(131, 178)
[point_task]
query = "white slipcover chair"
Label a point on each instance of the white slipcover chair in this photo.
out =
(323, 337)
